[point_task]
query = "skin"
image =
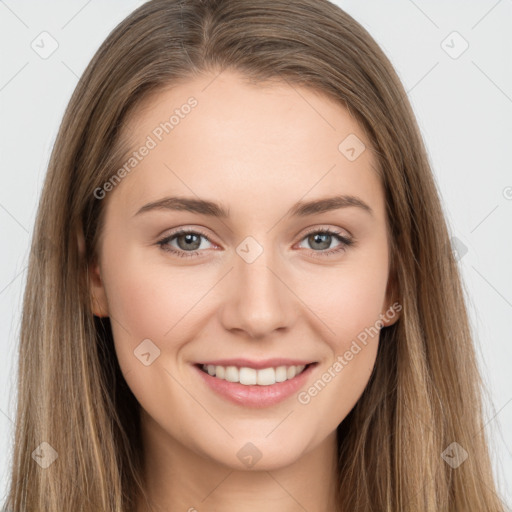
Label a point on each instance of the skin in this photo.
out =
(257, 151)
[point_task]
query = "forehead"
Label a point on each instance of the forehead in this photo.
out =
(221, 136)
(232, 108)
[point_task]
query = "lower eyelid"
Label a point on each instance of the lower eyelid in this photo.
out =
(344, 241)
(165, 241)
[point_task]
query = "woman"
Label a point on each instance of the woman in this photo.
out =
(259, 369)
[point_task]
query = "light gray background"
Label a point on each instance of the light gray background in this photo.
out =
(463, 105)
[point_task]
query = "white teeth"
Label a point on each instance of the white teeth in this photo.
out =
(280, 373)
(250, 376)
(220, 372)
(232, 374)
(266, 377)
(247, 376)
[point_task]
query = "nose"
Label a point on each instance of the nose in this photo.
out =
(258, 300)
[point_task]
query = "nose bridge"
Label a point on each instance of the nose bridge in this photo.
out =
(258, 301)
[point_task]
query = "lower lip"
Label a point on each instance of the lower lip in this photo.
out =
(256, 396)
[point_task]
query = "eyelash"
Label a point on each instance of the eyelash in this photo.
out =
(345, 242)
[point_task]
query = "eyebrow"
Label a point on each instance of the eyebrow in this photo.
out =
(300, 209)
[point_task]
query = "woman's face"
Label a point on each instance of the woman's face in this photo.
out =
(264, 286)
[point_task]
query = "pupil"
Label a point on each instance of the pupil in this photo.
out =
(322, 240)
(189, 239)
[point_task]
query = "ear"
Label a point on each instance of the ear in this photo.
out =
(97, 295)
(393, 304)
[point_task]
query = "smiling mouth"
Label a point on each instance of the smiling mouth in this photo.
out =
(251, 376)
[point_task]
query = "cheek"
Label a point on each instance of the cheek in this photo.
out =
(347, 309)
(356, 305)
(351, 313)
(148, 297)
(152, 301)
(347, 300)
(148, 304)
(142, 304)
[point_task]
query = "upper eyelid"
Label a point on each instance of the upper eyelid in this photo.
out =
(318, 229)
(328, 229)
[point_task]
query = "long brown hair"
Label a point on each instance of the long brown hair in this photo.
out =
(425, 392)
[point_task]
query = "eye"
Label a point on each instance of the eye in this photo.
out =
(188, 242)
(322, 239)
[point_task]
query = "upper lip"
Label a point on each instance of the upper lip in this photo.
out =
(257, 365)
